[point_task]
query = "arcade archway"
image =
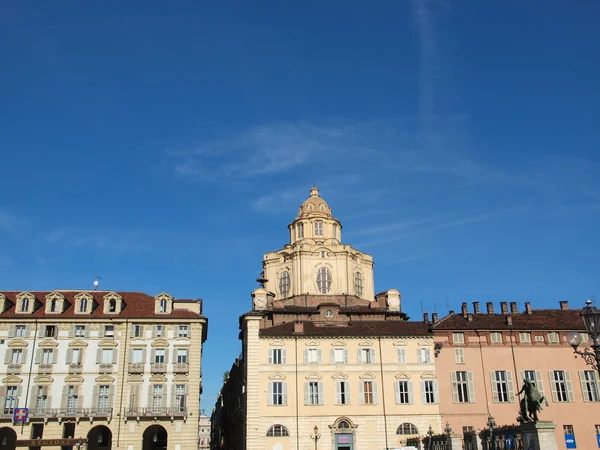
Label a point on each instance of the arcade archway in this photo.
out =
(99, 438)
(155, 438)
(8, 439)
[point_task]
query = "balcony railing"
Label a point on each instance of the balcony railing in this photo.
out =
(171, 411)
(13, 368)
(136, 367)
(106, 368)
(158, 368)
(45, 368)
(181, 368)
(75, 368)
(42, 412)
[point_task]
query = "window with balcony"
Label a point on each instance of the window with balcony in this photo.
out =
(72, 399)
(47, 356)
(107, 356)
(158, 392)
(182, 356)
(103, 403)
(137, 356)
(183, 331)
(368, 392)
(74, 358)
(16, 356)
(342, 393)
(41, 399)
(10, 401)
(180, 397)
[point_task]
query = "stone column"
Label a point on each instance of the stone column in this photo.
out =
(455, 441)
(539, 436)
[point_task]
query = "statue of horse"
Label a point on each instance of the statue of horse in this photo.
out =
(531, 403)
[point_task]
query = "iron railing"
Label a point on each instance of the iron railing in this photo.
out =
(158, 368)
(156, 411)
(181, 368)
(136, 367)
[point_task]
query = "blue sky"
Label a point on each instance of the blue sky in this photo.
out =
(165, 147)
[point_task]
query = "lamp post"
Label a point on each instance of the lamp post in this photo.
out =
(315, 436)
(591, 320)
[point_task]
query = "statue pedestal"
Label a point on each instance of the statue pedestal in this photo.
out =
(539, 436)
(455, 441)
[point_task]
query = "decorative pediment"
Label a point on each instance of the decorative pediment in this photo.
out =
(365, 344)
(48, 343)
(338, 344)
(43, 380)
(185, 344)
(340, 376)
(367, 376)
(89, 297)
(138, 345)
(402, 376)
(428, 376)
(277, 376)
(112, 303)
(277, 344)
(25, 302)
(163, 303)
(158, 379)
(84, 303)
(17, 343)
(182, 377)
(160, 343)
(313, 376)
(424, 343)
(312, 343)
(78, 343)
(400, 344)
(11, 380)
(54, 296)
(55, 303)
(104, 379)
(107, 343)
(74, 379)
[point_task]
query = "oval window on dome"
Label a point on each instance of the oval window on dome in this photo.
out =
(284, 284)
(324, 280)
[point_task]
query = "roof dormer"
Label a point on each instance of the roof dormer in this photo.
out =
(4, 303)
(163, 304)
(84, 303)
(25, 302)
(55, 303)
(113, 303)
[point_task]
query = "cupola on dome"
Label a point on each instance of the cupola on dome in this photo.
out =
(314, 204)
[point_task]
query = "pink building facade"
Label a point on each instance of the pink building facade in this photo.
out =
(485, 355)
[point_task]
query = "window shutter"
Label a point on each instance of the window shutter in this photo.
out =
(347, 391)
(86, 331)
(98, 356)
(132, 331)
(471, 385)
(411, 396)
(494, 386)
(436, 392)
(111, 396)
(71, 331)
(270, 356)
(95, 397)
(153, 331)
(24, 356)
(42, 331)
(153, 356)
(33, 398)
(134, 395)
(173, 392)
(454, 387)
(306, 391)
(269, 393)
(150, 388)
(166, 355)
(320, 356)
(521, 377)
(190, 330)
(283, 356)
(362, 393)
(163, 399)
(69, 356)
(11, 331)
(115, 356)
(2, 395)
(65, 394)
(332, 356)
(401, 355)
(27, 331)
(584, 389)
(510, 386)
(569, 385)
(397, 391)
(101, 331)
(428, 356)
(345, 356)
(338, 392)
(321, 393)
(130, 355)
(359, 356)
(306, 357)
(285, 392)
(7, 355)
(372, 351)
(539, 382)
(423, 396)
(54, 355)
(376, 395)
(38, 355)
(144, 356)
(553, 386)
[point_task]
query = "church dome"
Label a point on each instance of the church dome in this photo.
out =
(314, 205)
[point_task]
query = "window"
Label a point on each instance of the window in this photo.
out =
(539, 339)
(335, 230)
(585, 338)
(183, 331)
(366, 356)
(159, 356)
(553, 338)
(429, 392)
(525, 338)
(496, 337)
(318, 228)
(597, 427)
(112, 305)
(424, 355)
(103, 396)
(180, 397)
(41, 398)
(404, 392)
(284, 284)
(368, 394)
(407, 428)
(16, 356)
(502, 386)
(83, 305)
(72, 399)
(458, 338)
(50, 331)
(107, 356)
(300, 231)
(459, 355)
(10, 401)
(54, 305)
(329, 313)
(312, 356)
(560, 381)
(358, 284)
(76, 356)
(109, 331)
(463, 388)
(162, 306)
(533, 375)
(157, 397)
(322, 254)
(339, 356)
(324, 280)
(277, 393)
(277, 356)
(137, 356)
(182, 356)
(25, 305)
(589, 385)
(80, 331)
(278, 431)
(159, 331)
(401, 355)
(342, 393)
(568, 429)
(313, 393)
(20, 331)
(47, 356)
(137, 331)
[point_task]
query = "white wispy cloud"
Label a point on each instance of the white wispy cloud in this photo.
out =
(118, 241)
(10, 222)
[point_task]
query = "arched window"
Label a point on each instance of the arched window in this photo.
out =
(318, 228)
(284, 284)
(163, 306)
(83, 305)
(300, 230)
(324, 280)
(278, 431)
(343, 425)
(25, 305)
(54, 305)
(407, 428)
(358, 284)
(112, 305)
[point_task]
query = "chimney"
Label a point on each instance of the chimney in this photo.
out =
(490, 307)
(564, 304)
(425, 317)
(504, 307)
(464, 309)
(513, 307)
(451, 311)
(470, 317)
(528, 307)
(298, 327)
(476, 307)
(509, 320)
(434, 317)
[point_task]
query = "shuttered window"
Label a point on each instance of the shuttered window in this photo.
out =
(404, 392)
(502, 386)
(313, 393)
(342, 393)
(463, 387)
(277, 393)
(401, 355)
(429, 392)
(562, 388)
(368, 392)
(589, 385)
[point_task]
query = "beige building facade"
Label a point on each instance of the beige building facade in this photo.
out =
(100, 369)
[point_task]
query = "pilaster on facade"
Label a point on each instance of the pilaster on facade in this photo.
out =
(253, 388)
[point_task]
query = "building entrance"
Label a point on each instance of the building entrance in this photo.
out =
(344, 442)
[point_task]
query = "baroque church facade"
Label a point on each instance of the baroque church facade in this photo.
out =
(325, 361)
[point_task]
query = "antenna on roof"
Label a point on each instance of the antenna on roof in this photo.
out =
(421, 306)
(97, 282)
(447, 302)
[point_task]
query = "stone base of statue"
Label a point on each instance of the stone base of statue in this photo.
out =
(539, 435)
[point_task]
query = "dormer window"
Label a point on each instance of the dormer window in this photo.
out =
(318, 228)
(54, 305)
(25, 305)
(112, 305)
(83, 305)
(162, 306)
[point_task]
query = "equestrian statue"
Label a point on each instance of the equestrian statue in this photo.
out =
(531, 403)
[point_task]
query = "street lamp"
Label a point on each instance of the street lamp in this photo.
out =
(315, 436)
(591, 320)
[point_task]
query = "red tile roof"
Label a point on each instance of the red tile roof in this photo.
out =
(391, 328)
(136, 305)
(539, 319)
